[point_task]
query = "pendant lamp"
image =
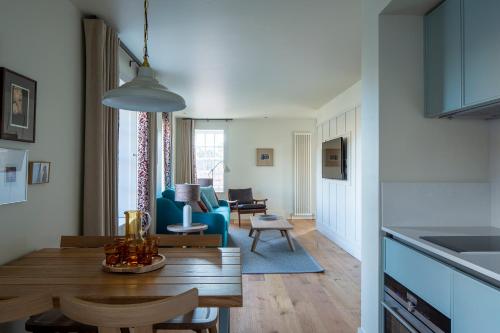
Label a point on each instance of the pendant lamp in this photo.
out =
(144, 93)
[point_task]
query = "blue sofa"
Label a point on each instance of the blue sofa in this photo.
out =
(169, 211)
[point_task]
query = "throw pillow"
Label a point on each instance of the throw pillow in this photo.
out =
(205, 200)
(211, 196)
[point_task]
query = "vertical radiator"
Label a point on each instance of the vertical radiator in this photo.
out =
(302, 161)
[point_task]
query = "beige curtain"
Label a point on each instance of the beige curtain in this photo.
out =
(101, 131)
(185, 166)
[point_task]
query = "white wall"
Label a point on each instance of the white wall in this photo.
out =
(242, 137)
(414, 148)
(43, 40)
(370, 226)
(338, 203)
(495, 171)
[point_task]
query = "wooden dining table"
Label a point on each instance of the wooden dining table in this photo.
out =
(216, 272)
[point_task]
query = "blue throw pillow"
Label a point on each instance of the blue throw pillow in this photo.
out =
(207, 203)
(210, 194)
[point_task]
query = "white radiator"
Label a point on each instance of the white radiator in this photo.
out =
(302, 207)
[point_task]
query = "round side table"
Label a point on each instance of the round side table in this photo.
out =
(180, 229)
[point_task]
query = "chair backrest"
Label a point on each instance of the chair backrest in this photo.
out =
(190, 240)
(243, 195)
(164, 241)
(22, 307)
(109, 318)
(85, 241)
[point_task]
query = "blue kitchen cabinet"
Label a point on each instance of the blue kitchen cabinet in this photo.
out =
(424, 276)
(476, 306)
(443, 59)
(481, 30)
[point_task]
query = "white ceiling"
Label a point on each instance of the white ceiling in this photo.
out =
(245, 58)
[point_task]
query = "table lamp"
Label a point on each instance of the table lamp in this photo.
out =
(187, 193)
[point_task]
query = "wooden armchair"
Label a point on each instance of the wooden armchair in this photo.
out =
(243, 202)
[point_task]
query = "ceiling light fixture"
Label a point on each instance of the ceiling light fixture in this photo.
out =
(144, 93)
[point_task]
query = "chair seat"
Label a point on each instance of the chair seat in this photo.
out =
(200, 318)
(54, 321)
(251, 206)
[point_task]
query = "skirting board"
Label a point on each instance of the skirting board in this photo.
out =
(302, 217)
(352, 249)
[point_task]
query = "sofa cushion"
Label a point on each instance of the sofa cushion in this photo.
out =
(207, 203)
(210, 194)
(244, 195)
(251, 206)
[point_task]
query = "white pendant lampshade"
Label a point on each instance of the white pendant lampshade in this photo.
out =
(145, 94)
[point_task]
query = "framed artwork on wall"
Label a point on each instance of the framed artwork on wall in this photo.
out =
(39, 172)
(265, 156)
(17, 106)
(13, 175)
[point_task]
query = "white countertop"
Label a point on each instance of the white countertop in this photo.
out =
(487, 264)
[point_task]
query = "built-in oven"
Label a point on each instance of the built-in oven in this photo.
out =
(405, 312)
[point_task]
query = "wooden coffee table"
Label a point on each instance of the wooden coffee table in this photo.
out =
(259, 225)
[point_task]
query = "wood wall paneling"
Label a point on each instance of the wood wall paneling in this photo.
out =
(338, 201)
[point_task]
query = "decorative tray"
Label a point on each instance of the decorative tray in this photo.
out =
(158, 262)
(268, 217)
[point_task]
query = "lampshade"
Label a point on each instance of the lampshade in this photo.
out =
(145, 94)
(205, 182)
(187, 192)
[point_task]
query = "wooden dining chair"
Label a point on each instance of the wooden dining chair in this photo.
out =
(85, 241)
(199, 320)
(164, 241)
(17, 308)
(111, 318)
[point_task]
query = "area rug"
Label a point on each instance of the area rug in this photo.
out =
(272, 255)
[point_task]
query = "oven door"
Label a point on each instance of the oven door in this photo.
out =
(397, 319)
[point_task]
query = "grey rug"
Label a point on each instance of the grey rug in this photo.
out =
(272, 255)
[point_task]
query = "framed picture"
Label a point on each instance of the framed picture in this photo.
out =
(332, 157)
(13, 175)
(39, 172)
(265, 156)
(18, 106)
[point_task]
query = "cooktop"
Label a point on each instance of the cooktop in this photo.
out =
(466, 243)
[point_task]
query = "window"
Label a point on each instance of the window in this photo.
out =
(127, 163)
(209, 148)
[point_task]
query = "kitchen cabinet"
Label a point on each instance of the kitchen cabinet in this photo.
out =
(475, 305)
(462, 60)
(481, 29)
(427, 277)
(443, 59)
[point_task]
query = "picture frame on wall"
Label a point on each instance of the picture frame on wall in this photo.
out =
(13, 175)
(265, 157)
(39, 172)
(17, 106)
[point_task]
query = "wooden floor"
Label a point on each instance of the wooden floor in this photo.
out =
(315, 302)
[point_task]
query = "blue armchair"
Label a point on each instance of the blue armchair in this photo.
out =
(169, 211)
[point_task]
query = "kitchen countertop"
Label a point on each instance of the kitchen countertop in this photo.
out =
(483, 265)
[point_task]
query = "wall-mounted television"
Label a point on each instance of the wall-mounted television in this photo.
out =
(334, 159)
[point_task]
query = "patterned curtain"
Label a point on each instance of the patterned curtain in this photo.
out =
(143, 162)
(167, 149)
